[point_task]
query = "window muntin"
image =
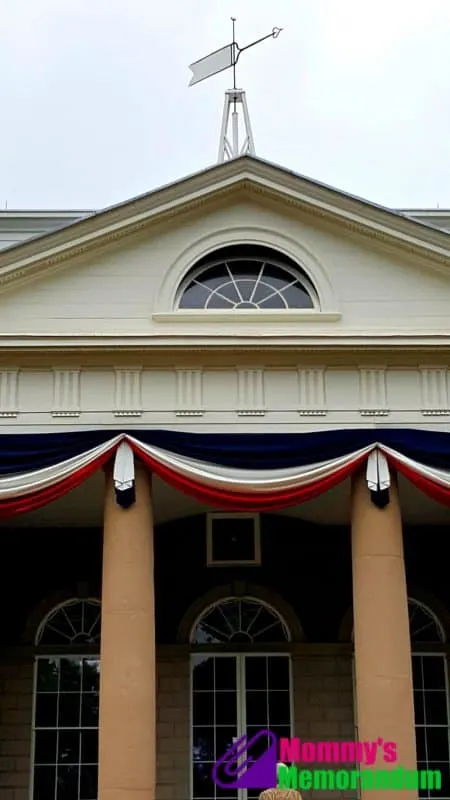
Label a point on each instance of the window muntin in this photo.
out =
(66, 706)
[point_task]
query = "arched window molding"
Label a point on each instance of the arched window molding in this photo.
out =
(240, 590)
(66, 702)
(327, 304)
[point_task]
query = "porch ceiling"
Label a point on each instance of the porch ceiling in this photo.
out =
(83, 507)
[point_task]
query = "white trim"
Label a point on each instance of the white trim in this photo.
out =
(257, 316)
(211, 562)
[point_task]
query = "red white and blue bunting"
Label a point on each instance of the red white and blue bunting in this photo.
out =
(239, 472)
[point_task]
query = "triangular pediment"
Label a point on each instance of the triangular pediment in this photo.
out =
(115, 273)
(205, 188)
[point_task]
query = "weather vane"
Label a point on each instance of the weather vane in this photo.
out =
(216, 62)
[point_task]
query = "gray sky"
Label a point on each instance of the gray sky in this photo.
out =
(95, 105)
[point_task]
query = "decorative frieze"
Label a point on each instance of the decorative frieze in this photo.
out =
(251, 392)
(434, 391)
(311, 392)
(9, 392)
(66, 393)
(372, 392)
(189, 393)
(128, 393)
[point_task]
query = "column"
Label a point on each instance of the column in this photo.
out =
(127, 738)
(384, 691)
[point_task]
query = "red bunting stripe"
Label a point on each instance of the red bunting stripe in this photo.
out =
(247, 501)
(33, 501)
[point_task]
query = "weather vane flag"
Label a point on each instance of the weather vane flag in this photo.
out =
(218, 61)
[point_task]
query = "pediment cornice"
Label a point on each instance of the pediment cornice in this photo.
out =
(243, 177)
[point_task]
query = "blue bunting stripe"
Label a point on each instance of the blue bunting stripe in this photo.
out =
(258, 451)
(229, 485)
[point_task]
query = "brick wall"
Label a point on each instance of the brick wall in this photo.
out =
(173, 735)
(323, 710)
(16, 698)
(323, 705)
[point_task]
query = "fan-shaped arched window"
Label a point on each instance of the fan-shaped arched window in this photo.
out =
(74, 622)
(246, 277)
(237, 621)
(66, 706)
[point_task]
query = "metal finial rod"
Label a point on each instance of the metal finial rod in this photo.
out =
(233, 21)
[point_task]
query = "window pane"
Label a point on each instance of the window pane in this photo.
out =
(279, 708)
(69, 710)
(203, 673)
(89, 710)
(47, 675)
(437, 744)
(70, 675)
(46, 710)
(255, 673)
(225, 673)
(435, 708)
(203, 708)
(203, 744)
(89, 747)
(91, 675)
(69, 747)
(256, 708)
(44, 783)
(226, 710)
(45, 747)
(433, 672)
(67, 782)
(202, 781)
(89, 782)
(224, 739)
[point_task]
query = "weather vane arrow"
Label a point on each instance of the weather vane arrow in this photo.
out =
(224, 58)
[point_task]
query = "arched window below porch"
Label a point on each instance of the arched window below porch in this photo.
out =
(66, 703)
(431, 692)
(241, 683)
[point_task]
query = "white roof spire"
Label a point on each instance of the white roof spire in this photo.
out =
(236, 137)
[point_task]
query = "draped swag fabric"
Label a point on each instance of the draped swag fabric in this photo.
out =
(236, 472)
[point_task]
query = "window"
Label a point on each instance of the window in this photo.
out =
(236, 693)
(244, 278)
(233, 539)
(66, 705)
(431, 701)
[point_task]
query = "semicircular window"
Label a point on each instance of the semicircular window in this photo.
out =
(246, 278)
(240, 621)
(75, 622)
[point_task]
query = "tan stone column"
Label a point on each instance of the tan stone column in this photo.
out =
(384, 693)
(127, 738)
